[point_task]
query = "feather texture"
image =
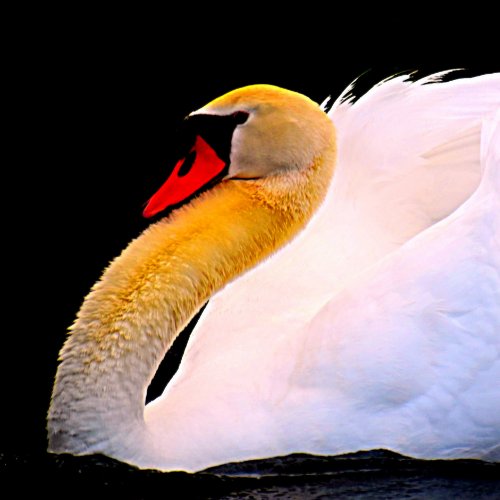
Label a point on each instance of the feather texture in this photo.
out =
(379, 325)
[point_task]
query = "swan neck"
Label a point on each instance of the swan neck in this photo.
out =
(148, 294)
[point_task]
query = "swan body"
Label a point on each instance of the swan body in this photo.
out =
(376, 326)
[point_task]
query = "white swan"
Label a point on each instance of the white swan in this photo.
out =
(378, 326)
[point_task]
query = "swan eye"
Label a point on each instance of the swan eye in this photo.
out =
(240, 117)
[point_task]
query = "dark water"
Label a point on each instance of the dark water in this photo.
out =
(375, 474)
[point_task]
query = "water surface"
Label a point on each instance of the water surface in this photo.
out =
(372, 475)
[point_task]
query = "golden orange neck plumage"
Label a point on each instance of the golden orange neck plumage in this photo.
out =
(149, 293)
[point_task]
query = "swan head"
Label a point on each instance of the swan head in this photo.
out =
(254, 132)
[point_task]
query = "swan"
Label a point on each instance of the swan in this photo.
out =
(352, 261)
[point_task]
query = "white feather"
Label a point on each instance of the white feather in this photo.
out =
(379, 326)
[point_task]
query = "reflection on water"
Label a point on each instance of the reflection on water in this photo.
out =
(375, 474)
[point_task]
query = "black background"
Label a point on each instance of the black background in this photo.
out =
(95, 98)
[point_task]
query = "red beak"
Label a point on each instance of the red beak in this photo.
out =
(205, 168)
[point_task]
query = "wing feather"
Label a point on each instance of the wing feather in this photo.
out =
(420, 331)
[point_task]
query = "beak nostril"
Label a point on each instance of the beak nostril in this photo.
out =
(188, 163)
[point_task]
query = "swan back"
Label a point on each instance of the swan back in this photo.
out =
(344, 358)
(415, 340)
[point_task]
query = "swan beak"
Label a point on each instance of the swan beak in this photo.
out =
(201, 166)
